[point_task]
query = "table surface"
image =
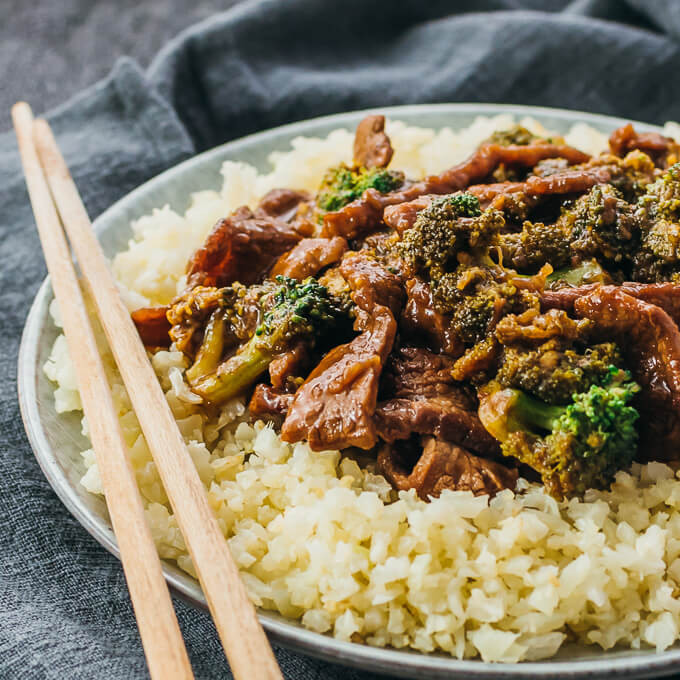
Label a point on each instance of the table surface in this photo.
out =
(51, 49)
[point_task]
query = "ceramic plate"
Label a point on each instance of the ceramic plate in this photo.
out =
(56, 439)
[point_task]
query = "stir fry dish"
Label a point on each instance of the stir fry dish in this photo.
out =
(515, 315)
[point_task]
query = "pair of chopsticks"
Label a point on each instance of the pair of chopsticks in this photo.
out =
(56, 202)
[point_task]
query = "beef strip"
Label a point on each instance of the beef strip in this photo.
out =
(662, 150)
(443, 465)
(650, 342)
(372, 147)
(334, 407)
(281, 203)
(289, 364)
(447, 416)
(371, 284)
(241, 247)
(269, 403)
(420, 322)
(153, 326)
(403, 215)
(567, 182)
(664, 295)
(309, 257)
(365, 213)
(424, 399)
(414, 371)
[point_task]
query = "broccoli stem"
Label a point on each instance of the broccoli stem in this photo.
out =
(587, 272)
(210, 352)
(504, 411)
(236, 374)
(529, 411)
(290, 312)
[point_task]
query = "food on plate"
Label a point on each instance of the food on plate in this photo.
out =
(486, 238)
(425, 363)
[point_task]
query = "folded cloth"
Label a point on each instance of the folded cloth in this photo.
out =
(64, 609)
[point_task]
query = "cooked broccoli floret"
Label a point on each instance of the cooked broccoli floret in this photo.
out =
(477, 297)
(448, 226)
(517, 134)
(290, 312)
(598, 228)
(604, 226)
(342, 185)
(536, 244)
(465, 205)
(659, 213)
(574, 447)
(588, 271)
(554, 374)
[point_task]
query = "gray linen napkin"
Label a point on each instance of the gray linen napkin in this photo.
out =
(64, 610)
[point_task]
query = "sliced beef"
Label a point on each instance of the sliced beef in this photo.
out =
(443, 465)
(269, 403)
(566, 182)
(448, 416)
(656, 146)
(309, 257)
(334, 407)
(372, 147)
(372, 284)
(421, 397)
(289, 364)
(650, 342)
(281, 203)
(153, 326)
(241, 247)
(412, 371)
(564, 298)
(402, 216)
(664, 295)
(365, 213)
(421, 323)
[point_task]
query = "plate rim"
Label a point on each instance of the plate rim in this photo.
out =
(292, 635)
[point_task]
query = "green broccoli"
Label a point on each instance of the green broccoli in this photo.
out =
(477, 297)
(659, 213)
(516, 134)
(342, 185)
(604, 226)
(536, 244)
(575, 447)
(290, 312)
(599, 227)
(552, 373)
(448, 226)
(589, 271)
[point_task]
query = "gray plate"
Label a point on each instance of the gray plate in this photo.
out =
(56, 440)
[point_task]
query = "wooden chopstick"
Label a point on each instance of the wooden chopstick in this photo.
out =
(161, 637)
(245, 643)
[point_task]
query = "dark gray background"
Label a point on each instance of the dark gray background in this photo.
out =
(49, 50)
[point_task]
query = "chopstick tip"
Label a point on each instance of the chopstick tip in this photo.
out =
(21, 109)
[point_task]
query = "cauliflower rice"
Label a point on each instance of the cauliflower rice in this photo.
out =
(329, 543)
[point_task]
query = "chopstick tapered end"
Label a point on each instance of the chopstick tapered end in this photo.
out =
(21, 113)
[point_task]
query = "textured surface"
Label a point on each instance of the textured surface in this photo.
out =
(63, 606)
